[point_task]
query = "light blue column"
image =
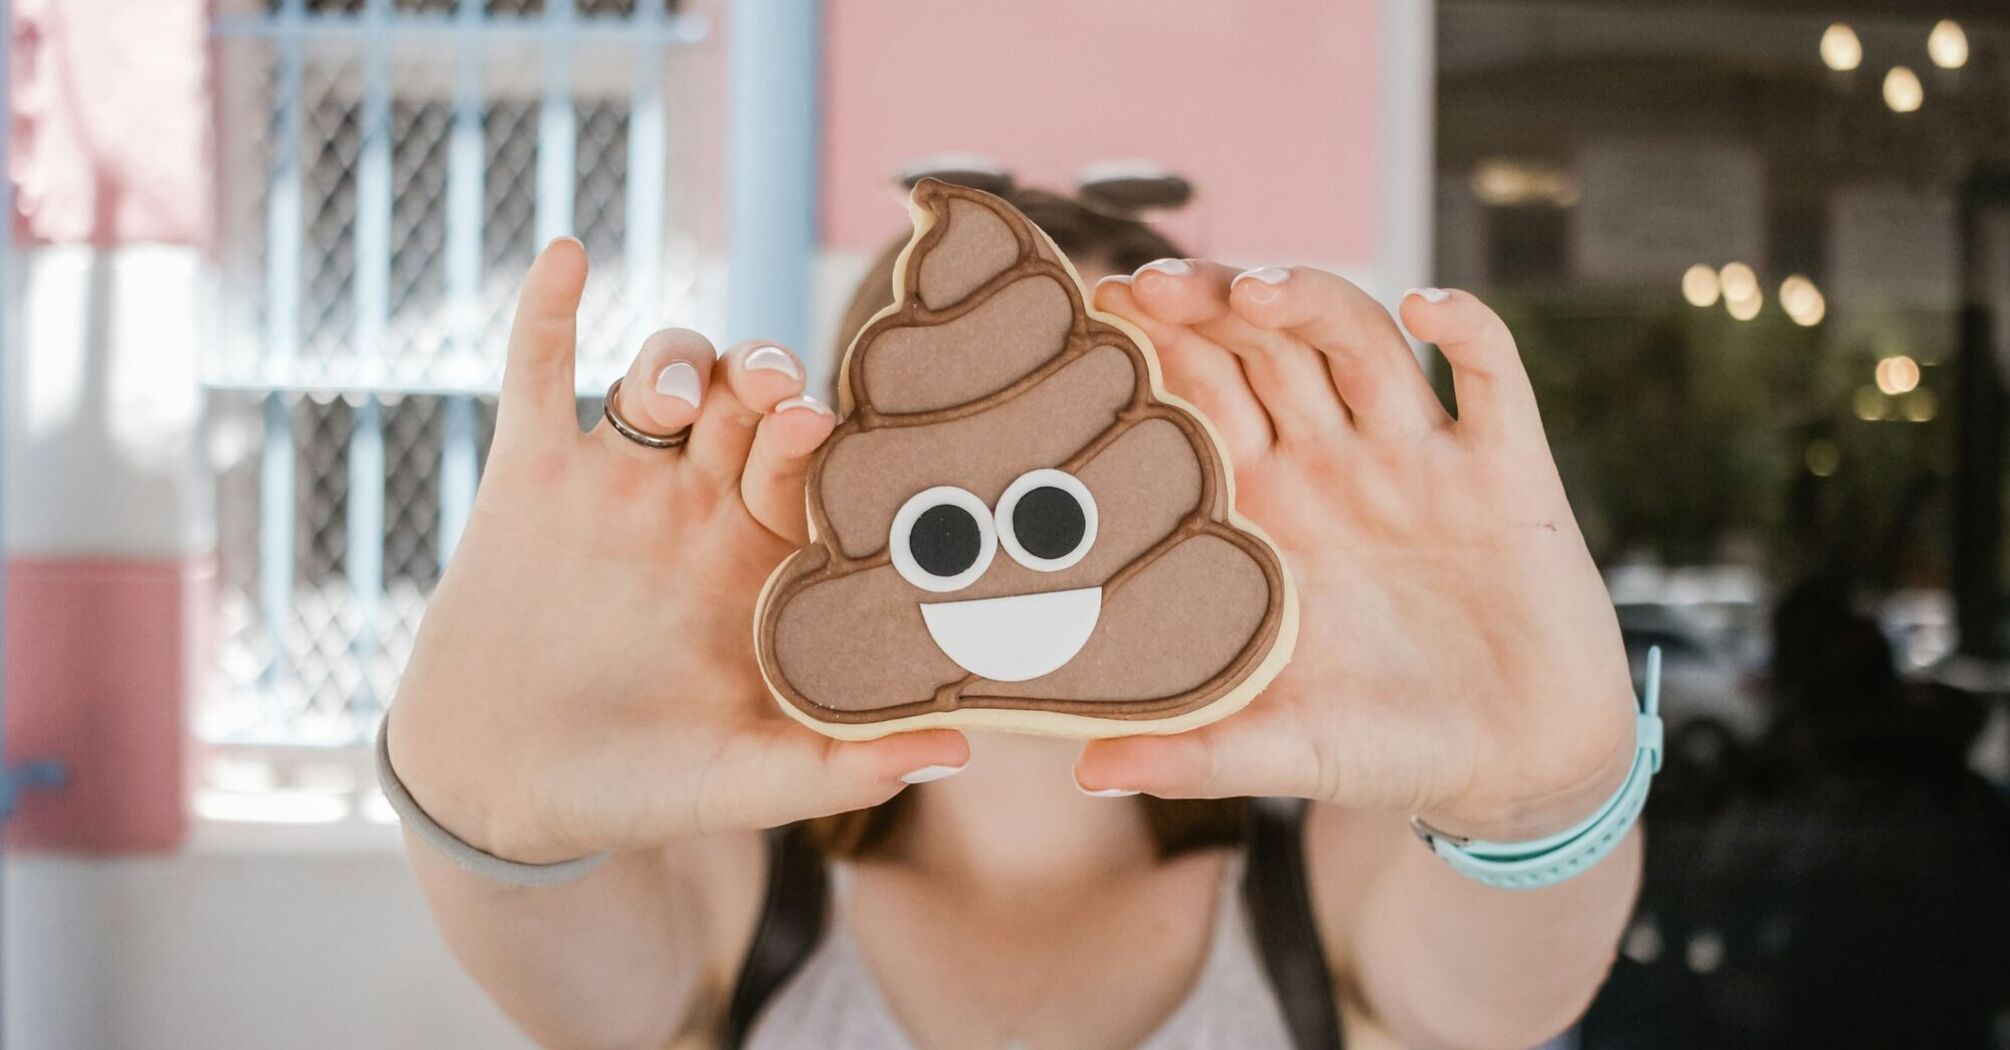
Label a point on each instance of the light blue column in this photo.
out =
(284, 228)
(773, 163)
(466, 160)
(557, 125)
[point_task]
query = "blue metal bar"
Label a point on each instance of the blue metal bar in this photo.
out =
(459, 473)
(557, 129)
(466, 158)
(647, 171)
(772, 166)
(284, 229)
(363, 559)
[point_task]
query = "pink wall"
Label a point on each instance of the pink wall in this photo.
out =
(97, 673)
(1271, 109)
(108, 146)
(110, 127)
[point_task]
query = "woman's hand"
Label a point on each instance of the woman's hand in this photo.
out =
(1457, 656)
(584, 678)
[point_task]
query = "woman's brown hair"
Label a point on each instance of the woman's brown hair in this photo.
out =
(1122, 244)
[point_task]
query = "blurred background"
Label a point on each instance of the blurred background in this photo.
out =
(259, 263)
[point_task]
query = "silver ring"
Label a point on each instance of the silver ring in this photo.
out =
(627, 429)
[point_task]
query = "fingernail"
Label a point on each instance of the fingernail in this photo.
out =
(1106, 792)
(562, 238)
(805, 401)
(1429, 295)
(1116, 278)
(1169, 267)
(1263, 282)
(679, 380)
(928, 773)
(774, 359)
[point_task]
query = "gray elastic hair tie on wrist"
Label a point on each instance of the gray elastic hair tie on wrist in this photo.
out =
(469, 859)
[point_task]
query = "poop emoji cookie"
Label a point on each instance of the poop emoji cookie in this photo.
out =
(1014, 527)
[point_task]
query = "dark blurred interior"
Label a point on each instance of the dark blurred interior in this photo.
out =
(1759, 258)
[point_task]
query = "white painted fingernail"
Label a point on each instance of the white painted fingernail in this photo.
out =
(1271, 275)
(1429, 295)
(774, 359)
(1169, 267)
(1107, 792)
(679, 380)
(928, 773)
(805, 401)
(1116, 278)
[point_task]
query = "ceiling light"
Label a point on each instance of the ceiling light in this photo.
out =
(1897, 374)
(1738, 281)
(1902, 91)
(1802, 301)
(1841, 50)
(1699, 285)
(1947, 45)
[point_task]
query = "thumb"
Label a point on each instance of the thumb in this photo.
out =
(781, 773)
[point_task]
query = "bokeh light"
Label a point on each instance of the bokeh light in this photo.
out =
(1897, 374)
(1841, 50)
(1902, 90)
(1700, 286)
(1947, 45)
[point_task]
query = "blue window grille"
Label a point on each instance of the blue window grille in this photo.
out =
(389, 168)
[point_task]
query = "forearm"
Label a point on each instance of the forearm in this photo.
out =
(1446, 961)
(612, 959)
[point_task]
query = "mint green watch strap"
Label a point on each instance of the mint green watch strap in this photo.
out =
(1554, 858)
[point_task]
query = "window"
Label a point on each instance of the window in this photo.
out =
(389, 169)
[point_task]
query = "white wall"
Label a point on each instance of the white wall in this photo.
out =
(215, 951)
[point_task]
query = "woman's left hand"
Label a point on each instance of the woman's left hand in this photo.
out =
(1458, 657)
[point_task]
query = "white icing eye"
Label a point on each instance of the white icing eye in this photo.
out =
(1047, 520)
(942, 539)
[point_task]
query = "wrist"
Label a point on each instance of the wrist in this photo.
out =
(1533, 863)
(1549, 812)
(455, 804)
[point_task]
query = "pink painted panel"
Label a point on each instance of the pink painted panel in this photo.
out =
(110, 130)
(98, 676)
(1271, 109)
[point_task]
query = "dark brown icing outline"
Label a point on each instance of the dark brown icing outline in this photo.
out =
(1085, 335)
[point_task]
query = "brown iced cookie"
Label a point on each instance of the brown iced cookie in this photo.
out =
(1015, 527)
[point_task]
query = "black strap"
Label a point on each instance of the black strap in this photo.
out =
(793, 913)
(1279, 898)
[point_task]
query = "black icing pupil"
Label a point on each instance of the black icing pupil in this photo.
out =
(945, 540)
(1049, 522)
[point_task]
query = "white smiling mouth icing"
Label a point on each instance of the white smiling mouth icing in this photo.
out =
(1016, 637)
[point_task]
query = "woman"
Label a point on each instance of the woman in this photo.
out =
(584, 683)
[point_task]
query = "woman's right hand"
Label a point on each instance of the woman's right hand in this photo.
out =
(584, 678)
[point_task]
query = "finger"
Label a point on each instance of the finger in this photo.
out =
(1288, 377)
(1495, 400)
(1198, 372)
(1224, 760)
(785, 773)
(537, 391)
(749, 380)
(664, 385)
(1378, 377)
(784, 443)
